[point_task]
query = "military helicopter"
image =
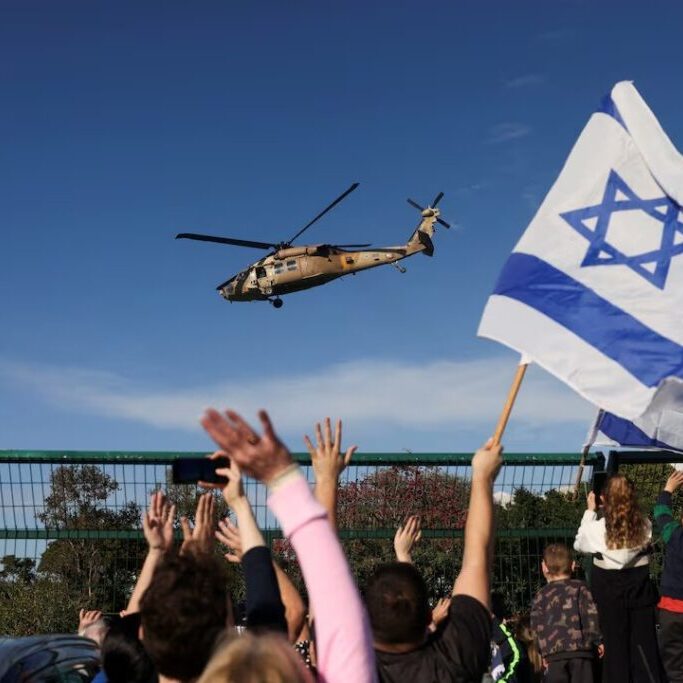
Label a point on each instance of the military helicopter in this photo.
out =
(289, 268)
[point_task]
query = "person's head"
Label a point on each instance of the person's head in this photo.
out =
(253, 658)
(397, 602)
(557, 562)
(499, 607)
(183, 612)
(625, 525)
(124, 658)
(527, 637)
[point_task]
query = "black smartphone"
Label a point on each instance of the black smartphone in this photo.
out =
(599, 479)
(192, 470)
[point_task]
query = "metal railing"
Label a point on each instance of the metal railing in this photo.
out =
(70, 520)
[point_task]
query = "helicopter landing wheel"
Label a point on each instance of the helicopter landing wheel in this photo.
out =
(277, 303)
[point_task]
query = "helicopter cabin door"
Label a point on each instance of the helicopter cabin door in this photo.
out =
(265, 283)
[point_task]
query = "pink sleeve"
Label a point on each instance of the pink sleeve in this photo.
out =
(342, 635)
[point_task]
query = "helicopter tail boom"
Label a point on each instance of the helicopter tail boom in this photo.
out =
(421, 239)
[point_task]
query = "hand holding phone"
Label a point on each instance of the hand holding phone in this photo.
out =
(192, 470)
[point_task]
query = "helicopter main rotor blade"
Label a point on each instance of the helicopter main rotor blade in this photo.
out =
(324, 211)
(415, 204)
(437, 199)
(443, 222)
(226, 240)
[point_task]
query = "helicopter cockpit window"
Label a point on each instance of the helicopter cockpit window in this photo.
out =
(260, 272)
(291, 265)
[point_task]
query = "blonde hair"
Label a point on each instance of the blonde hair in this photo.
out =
(558, 559)
(256, 659)
(625, 525)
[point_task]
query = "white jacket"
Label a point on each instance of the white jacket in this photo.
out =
(591, 538)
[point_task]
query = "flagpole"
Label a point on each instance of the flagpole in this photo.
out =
(510, 401)
(586, 449)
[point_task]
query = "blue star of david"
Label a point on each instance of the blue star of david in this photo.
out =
(602, 253)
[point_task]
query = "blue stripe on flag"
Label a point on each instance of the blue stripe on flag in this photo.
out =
(625, 433)
(607, 106)
(646, 354)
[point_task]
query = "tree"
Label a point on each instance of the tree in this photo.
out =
(376, 505)
(97, 571)
(18, 569)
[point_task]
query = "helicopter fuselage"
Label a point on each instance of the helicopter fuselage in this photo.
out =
(296, 268)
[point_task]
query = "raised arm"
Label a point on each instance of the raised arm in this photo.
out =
(667, 525)
(406, 536)
(264, 604)
(474, 577)
(157, 526)
(328, 464)
(343, 641)
(585, 541)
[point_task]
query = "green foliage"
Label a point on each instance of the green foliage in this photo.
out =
(517, 572)
(44, 605)
(98, 573)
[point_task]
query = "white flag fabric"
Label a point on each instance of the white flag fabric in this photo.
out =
(660, 427)
(593, 291)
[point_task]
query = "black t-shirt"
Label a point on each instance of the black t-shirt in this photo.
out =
(459, 651)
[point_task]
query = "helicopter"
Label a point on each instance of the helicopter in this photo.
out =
(288, 268)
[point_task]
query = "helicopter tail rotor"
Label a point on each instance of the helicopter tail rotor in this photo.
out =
(421, 239)
(431, 210)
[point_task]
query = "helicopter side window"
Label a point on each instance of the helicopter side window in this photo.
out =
(260, 272)
(291, 265)
(279, 267)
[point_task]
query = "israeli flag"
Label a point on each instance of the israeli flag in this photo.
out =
(593, 291)
(659, 428)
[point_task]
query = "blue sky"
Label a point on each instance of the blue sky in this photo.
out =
(125, 122)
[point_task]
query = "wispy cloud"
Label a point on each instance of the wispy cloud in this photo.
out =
(416, 395)
(525, 81)
(503, 132)
(465, 190)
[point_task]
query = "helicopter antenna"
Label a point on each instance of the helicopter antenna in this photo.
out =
(323, 212)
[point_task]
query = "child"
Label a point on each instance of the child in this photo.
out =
(671, 603)
(565, 620)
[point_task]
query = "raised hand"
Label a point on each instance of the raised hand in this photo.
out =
(87, 618)
(487, 461)
(674, 481)
(591, 502)
(262, 457)
(233, 490)
(200, 538)
(440, 612)
(157, 522)
(326, 457)
(229, 535)
(406, 537)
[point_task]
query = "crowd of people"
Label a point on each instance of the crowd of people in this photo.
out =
(180, 623)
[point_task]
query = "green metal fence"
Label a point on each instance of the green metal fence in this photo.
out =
(70, 533)
(69, 521)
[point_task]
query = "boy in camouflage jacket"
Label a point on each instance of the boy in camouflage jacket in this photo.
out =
(565, 620)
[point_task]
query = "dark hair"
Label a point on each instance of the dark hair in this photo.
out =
(558, 559)
(124, 658)
(396, 598)
(499, 606)
(183, 612)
